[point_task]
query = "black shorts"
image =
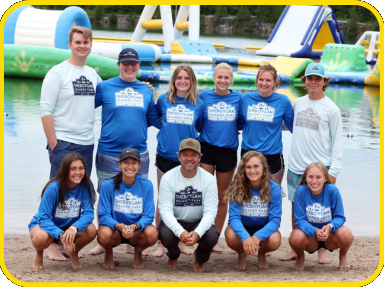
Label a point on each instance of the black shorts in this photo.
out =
(164, 164)
(321, 245)
(123, 240)
(225, 159)
(275, 161)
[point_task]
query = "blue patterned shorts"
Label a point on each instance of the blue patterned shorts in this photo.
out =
(107, 167)
(293, 180)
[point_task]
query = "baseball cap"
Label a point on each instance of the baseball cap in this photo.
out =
(190, 144)
(315, 69)
(128, 54)
(130, 152)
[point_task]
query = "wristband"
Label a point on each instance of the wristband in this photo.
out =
(331, 226)
(73, 228)
(137, 226)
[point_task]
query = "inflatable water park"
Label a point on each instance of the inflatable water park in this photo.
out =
(35, 40)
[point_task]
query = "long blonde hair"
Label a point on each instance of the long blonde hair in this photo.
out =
(193, 93)
(321, 166)
(240, 189)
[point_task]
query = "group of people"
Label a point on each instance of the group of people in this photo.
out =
(197, 139)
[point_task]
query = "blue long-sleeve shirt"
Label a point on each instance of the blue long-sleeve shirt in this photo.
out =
(261, 119)
(220, 119)
(312, 212)
(127, 111)
(128, 205)
(54, 220)
(259, 218)
(180, 121)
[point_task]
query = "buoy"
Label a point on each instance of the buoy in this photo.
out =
(5, 114)
(349, 135)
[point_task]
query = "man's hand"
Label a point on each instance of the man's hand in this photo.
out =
(184, 237)
(193, 237)
(148, 85)
(128, 231)
(333, 179)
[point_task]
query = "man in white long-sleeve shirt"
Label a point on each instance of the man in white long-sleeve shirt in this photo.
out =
(188, 203)
(317, 136)
(67, 103)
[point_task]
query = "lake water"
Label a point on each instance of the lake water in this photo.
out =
(26, 163)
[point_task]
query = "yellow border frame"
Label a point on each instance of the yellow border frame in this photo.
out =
(223, 2)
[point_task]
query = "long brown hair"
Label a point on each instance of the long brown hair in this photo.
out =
(240, 189)
(193, 93)
(63, 174)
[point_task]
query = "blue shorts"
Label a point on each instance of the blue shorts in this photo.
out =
(107, 167)
(63, 148)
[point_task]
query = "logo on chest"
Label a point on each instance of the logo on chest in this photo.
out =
(180, 115)
(128, 203)
(308, 119)
(73, 207)
(260, 112)
(83, 87)
(189, 197)
(221, 112)
(317, 213)
(129, 98)
(255, 208)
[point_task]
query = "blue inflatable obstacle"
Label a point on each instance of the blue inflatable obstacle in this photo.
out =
(29, 26)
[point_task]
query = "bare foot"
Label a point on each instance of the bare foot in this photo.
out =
(171, 264)
(108, 261)
(241, 261)
(184, 249)
(198, 267)
(217, 248)
(66, 254)
(96, 250)
(322, 256)
(38, 262)
(131, 250)
(160, 250)
(75, 261)
(299, 265)
(291, 255)
(54, 253)
(138, 260)
(262, 263)
(344, 263)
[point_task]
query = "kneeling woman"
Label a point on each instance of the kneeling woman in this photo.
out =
(319, 217)
(126, 210)
(66, 212)
(254, 211)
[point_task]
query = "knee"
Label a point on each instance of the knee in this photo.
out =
(152, 234)
(296, 238)
(41, 239)
(345, 235)
(274, 241)
(230, 236)
(104, 235)
(91, 231)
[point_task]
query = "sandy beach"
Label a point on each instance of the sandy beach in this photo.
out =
(364, 258)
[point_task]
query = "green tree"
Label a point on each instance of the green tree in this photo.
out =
(243, 14)
(98, 12)
(352, 23)
(113, 18)
(221, 11)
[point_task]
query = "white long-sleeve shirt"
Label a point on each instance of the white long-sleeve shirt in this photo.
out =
(317, 135)
(188, 199)
(68, 94)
